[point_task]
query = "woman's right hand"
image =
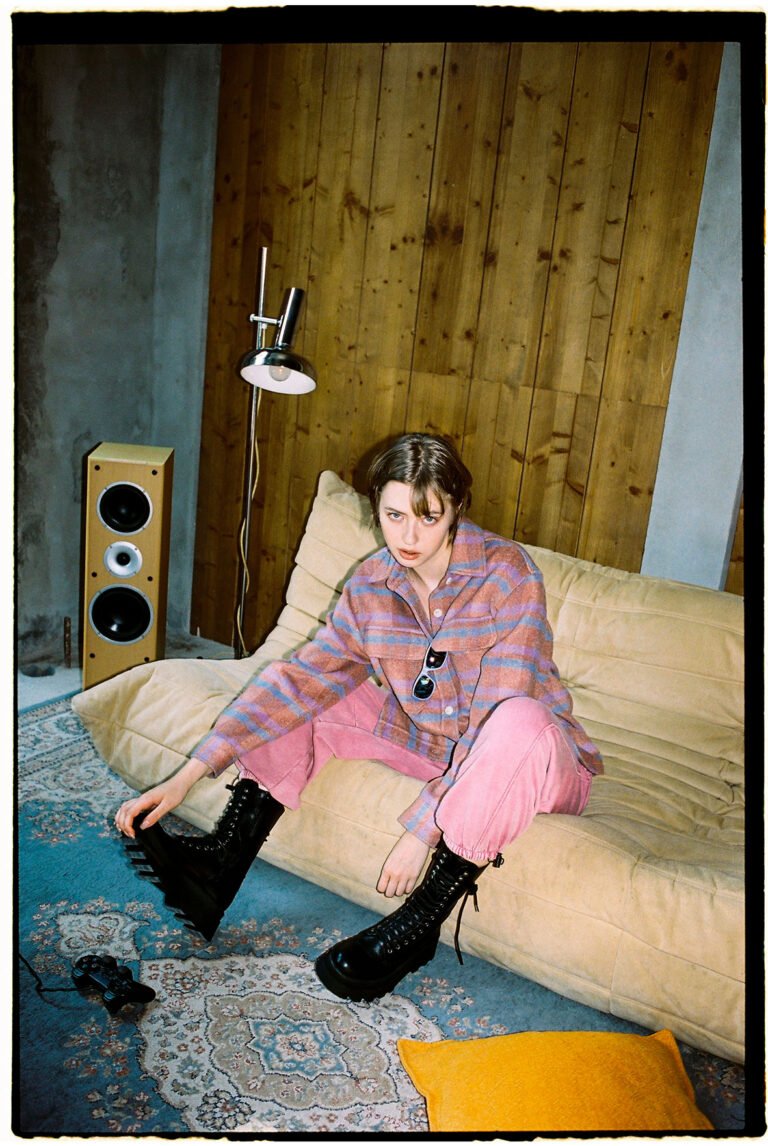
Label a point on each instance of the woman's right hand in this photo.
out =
(160, 800)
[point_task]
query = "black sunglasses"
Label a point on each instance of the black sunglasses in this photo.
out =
(424, 685)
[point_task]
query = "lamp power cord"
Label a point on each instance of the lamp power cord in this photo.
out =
(241, 540)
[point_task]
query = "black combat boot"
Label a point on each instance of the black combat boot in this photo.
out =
(200, 875)
(373, 962)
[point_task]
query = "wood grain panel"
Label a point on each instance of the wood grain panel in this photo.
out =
(466, 151)
(666, 189)
(516, 267)
(224, 413)
(284, 218)
(625, 453)
(409, 101)
(734, 581)
(661, 226)
(494, 240)
(581, 285)
(327, 421)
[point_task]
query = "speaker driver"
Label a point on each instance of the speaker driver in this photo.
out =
(122, 559)
(124, 507)
(121, 615)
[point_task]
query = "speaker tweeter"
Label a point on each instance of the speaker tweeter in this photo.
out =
(122, 559)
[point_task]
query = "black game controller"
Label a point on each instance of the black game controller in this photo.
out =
(116, 983)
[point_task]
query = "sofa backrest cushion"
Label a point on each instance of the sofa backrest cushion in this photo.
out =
(339, 535)
(649, 655)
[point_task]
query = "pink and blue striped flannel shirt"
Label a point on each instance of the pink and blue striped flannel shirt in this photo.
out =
(488, 613)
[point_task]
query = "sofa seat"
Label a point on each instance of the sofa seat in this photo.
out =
(637, 906)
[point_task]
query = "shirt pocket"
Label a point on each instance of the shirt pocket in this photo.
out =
(396, 652)
(473, 635)
(398, 641)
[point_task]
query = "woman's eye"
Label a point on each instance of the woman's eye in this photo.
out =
(429, 519)
(393, 516)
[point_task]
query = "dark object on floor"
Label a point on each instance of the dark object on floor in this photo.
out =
(37, 670)
(200, 877)
(116, 982)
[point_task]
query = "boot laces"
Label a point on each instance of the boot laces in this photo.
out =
(428, 906)
(471, 890)
(229, 817)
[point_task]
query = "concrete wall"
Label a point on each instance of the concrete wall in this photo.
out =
(114, 162)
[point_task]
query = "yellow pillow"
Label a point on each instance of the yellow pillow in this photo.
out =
(554, 1080)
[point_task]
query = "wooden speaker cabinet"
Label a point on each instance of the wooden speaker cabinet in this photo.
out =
(126, 548)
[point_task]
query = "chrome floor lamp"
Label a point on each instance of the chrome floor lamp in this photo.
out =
(279, 370)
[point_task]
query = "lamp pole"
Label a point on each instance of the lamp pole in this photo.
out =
(248, 487)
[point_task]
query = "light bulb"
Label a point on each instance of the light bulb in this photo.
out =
(279, 373)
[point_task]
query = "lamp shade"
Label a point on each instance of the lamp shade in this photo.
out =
(278, 370)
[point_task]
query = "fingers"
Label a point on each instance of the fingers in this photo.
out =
(402, 866)
(124, 819)
(383, 886)
(131, 809)
(393, 885)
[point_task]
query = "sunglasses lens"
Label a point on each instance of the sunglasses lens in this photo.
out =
(435, 660)
(423, 688)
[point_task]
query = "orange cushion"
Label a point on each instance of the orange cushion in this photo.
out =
(554, 1081)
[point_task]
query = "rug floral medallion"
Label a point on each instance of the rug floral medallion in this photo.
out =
(266, 1046)
(241, 1036)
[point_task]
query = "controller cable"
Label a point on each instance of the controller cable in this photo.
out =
(39, 985)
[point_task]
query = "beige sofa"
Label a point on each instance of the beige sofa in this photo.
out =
(636, 907)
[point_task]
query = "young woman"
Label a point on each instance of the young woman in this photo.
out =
(437, 661)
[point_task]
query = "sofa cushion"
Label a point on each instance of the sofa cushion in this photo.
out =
(548, 1081)
(659, 662)
(637, 906)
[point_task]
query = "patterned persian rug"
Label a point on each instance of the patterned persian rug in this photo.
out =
(241, 1037)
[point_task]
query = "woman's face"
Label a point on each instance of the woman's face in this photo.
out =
(418, 543)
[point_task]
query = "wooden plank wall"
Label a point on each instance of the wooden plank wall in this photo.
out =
(495, 241)
(734, 581)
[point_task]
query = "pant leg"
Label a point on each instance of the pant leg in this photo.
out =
(520, 764)
(286, 765)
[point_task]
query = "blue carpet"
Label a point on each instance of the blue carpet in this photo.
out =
(241, 1037)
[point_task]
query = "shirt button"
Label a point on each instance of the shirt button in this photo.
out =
(449, 710)
(437, 612)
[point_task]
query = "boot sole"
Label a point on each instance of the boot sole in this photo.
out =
(366, 990)
(188, 900)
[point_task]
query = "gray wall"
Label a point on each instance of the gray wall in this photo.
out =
(114, 165)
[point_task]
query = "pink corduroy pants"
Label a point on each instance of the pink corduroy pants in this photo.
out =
(520, 764)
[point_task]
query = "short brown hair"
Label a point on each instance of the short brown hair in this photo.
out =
(429, 464)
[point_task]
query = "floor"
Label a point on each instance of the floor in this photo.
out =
(42, 681)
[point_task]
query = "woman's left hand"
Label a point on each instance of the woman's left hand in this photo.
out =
(402, 866)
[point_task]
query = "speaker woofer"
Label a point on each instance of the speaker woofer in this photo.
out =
(124, 507)
(121, 615)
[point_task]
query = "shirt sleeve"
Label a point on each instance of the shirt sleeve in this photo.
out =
(287, 693)
(519, 663)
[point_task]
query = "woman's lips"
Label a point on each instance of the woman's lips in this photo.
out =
(407, 554)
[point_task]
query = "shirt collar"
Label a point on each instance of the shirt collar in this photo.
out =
(467, 558)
